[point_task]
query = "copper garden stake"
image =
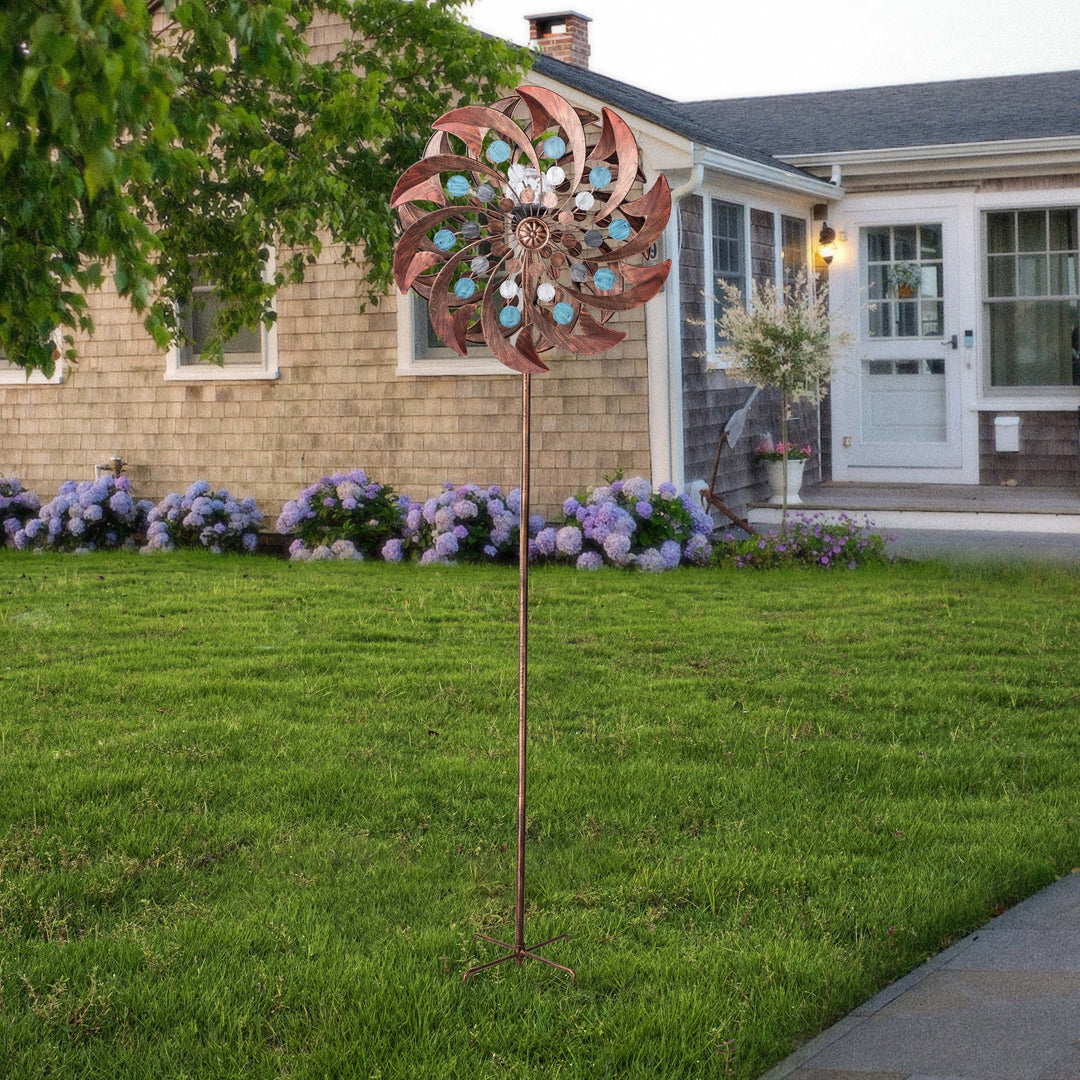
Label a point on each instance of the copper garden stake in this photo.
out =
(510, 242)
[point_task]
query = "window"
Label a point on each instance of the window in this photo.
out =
(13, 375)
(793, 250)
(1033, 297)
(904, 278)
(250, 354)
(420, 352)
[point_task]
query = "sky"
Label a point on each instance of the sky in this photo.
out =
(697, 49)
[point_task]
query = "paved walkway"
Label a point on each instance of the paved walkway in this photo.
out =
(1012, 547)
(1003, 1004)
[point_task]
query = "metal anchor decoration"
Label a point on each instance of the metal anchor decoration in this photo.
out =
(519, 229)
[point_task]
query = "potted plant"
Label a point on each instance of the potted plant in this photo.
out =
(904, 279)
(782, 339)
(784, 464)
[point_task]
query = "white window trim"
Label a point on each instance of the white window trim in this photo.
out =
(267, 369)
(16, 376)
(408, 363)
(1015, 398)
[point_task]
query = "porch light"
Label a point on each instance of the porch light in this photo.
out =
(827, 244)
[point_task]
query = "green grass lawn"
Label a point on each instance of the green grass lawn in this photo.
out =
(252, 812)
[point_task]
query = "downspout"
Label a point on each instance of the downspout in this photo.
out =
(665, 387)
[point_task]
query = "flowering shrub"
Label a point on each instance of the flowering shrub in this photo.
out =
(626, 523)
(91, 515)
(464, 522)
(19, 522)
(203, 517)
(809, 541)
(342, 507)
(767, 451)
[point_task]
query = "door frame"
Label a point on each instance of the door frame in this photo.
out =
(853, 459)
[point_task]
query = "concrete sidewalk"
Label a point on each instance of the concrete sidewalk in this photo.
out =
(1003, 1004)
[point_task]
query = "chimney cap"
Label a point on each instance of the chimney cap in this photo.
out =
(550, 16)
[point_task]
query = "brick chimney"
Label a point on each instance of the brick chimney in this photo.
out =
(563, 35)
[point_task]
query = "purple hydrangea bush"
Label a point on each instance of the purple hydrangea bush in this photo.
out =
(343, 516)
(92, 515)
(202, 517)
(19, 523)
(464, 522)
(809, 540)
(626, 523)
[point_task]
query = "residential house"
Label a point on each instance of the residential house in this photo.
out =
(972, 187)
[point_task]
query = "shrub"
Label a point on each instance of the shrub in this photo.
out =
(808, 541)
(343, 507)
(202, 517)
(465, 522)
(19, 508)
(93, 514)
(626, 523)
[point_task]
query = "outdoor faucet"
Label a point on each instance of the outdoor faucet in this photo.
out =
(114, 465)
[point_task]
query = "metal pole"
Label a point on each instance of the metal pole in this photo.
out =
(523, 664)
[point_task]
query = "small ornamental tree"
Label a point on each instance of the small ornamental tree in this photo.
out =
(782, 339)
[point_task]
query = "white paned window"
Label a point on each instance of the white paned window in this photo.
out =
(904, 280)
(250, 354)
(1032, 299)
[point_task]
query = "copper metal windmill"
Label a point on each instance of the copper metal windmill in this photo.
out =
(525, 228)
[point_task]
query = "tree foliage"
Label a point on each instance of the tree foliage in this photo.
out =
(176, 142)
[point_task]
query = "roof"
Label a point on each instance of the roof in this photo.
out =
(995, 109)
(659, 110)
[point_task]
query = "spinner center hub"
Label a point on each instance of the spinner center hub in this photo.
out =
(533, 233)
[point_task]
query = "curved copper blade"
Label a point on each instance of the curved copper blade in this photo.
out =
(645, 288)
(470, 123)
(527, 362)
(451, 330)
(546, 106)
(623, 148)
(415, 238)
(420, 181)
(650, 232)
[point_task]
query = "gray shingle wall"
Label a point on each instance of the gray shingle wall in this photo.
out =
(1049, 451)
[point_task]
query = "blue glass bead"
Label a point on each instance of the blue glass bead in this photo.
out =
(510, 317)
(498, 151)
(457, 186)
(619, 229)
(604, 278)
(554, 147)
(444, 239)
(563, 314)
(464, 288)
(600, 176)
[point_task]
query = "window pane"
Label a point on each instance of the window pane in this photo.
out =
(1002, 276)
(931, 280)
(907, 318)
(878, 283)
(1063, 275)
(933, 320)
(1031, 225)
(881, 319)
(930, 238)
(1031, 343)
(905, 246)
(1001, 232)
(793, 238)
(1031, 275)
(1062, 230)
(877, 245)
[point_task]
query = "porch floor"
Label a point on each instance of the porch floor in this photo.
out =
(959, 507)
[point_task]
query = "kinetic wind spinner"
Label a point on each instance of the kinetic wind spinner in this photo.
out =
(529, 240)
(519, 231)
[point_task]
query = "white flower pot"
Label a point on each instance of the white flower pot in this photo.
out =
(775, 472)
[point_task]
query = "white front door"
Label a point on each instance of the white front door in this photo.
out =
(897, 414)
